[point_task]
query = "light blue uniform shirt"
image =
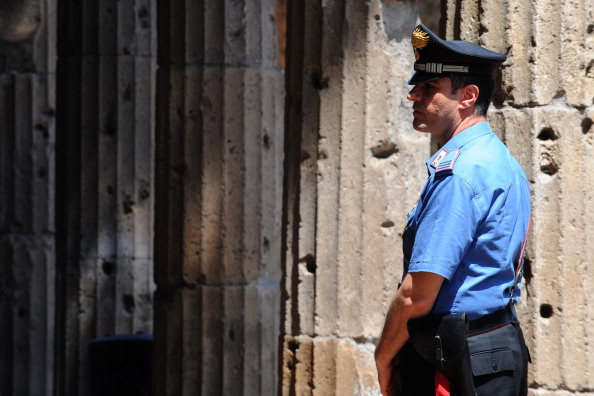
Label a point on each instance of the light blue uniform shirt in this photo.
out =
(470, 223)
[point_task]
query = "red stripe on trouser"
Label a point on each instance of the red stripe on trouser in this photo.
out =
(442, 385)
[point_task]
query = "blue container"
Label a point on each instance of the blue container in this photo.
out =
(121, 365)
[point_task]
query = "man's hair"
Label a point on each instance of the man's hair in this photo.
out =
(486, 86)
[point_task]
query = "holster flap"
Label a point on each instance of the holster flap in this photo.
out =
(451, 329)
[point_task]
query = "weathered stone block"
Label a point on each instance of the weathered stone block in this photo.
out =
(214, 324)
(328, 366)
(297, 369)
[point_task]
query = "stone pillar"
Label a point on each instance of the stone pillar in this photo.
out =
(544, 112)
(104, 193)
(218, 208)
(354, 168)
(27, 230)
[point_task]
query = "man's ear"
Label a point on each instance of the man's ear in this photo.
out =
(470, 95)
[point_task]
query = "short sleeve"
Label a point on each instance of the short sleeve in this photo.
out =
(446, 226)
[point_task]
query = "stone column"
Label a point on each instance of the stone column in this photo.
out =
(544, 112)
(354, 169)
(27, 228)
(105, 124)
(218, 212)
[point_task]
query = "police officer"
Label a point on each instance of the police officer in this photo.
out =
(464, 240)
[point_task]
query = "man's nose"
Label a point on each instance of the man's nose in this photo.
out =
(413, 94)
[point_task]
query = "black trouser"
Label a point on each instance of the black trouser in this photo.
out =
(499, 363)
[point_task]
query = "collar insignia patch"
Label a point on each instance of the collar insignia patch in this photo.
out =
(438, 158)
(447, 162)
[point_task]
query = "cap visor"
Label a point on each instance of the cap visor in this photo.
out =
(421, 77)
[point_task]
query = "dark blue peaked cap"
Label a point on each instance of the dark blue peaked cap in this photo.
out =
(436, 58)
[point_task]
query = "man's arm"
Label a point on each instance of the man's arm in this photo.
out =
(413, 299)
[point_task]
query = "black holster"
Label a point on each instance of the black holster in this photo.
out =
(442, 341)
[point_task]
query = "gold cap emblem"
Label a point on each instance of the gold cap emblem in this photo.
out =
(419, 40)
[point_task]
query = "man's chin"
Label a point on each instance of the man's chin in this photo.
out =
(420, 127)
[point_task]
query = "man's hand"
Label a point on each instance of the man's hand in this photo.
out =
(388, 377)
(414, 298)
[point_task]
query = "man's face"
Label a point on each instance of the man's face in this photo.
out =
(435, 108)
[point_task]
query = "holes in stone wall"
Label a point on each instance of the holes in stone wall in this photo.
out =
(388, 224)
(266, 244)
(42, 173)
(305, 156)
(527, 269)
(546, 311)
(144, 194)
(548, 157)
(127, 93)
(129, 303)
(310, 263)
(589, 68)
(179, 169)
(587, 125)
(144, 18)
(316, 77)
(293, 346)
(41, 128)
(547, 134)
(108, 267)
(319, 82)
(127, 204)
(548, 165)
(549, 169)
(384, 150)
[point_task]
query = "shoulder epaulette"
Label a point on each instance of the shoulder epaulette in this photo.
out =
(445, 162)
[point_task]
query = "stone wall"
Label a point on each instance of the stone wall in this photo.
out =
(104, 178)
(277, 238)
(27, 197)
(352, 139)
(355, 167)
(219, 198)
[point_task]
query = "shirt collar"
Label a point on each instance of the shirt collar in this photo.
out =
(458, 141)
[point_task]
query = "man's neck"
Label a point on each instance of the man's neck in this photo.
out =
(464, 123)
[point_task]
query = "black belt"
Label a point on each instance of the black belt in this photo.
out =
(490, 322)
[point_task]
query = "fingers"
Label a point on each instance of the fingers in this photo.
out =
(395, 382)
(389, 378)
(384, 376)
